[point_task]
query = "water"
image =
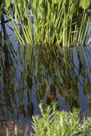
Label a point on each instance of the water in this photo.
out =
(41, 75)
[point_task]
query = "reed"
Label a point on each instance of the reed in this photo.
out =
(49, 22)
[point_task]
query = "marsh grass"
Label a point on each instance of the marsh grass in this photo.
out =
(48, 22)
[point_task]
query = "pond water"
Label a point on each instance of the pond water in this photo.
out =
(41, 75)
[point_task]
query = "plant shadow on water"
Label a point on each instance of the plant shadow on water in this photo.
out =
(45, 72)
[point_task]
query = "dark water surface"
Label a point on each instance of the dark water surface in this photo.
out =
(41, 75)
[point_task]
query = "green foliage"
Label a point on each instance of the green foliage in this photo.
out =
(55, 123)
(85, 4)
(5, 2)
(47, 22)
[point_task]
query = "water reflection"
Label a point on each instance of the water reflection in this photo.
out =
(45, 72)
(48, 73)
(44, 75)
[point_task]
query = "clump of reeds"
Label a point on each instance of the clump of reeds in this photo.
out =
(48, 22)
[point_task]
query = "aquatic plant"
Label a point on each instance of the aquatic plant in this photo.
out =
(56, 123)
(84, 3)
(49, 22)
(6, 3)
